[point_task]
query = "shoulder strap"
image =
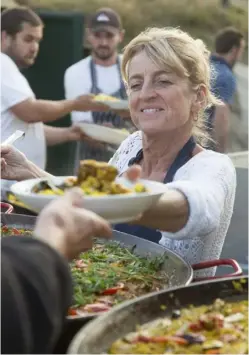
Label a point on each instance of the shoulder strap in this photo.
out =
(93, 77)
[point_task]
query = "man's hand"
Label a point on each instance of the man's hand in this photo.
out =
(87, 103)
(69, 228)
(125, 114)
(75, 133)
(14, 164)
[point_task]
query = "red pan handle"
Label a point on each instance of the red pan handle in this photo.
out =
(219, 262)
(9, 208)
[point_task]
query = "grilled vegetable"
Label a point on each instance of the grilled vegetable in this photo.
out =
(6, 230)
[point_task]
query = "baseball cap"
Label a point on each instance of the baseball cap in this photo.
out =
(105, 19)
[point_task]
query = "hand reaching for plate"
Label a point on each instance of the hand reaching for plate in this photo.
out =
(133, 173)
(87, 103)
(125, 114)
(77, 134)
(69, 228)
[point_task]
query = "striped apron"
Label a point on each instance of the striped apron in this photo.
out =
(85, 150)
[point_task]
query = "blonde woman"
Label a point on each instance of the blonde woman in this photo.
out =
(167, 74)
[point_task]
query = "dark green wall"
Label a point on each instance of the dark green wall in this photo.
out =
(60, 48)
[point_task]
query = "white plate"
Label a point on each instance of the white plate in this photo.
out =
(114, 208)
(116, 105)
(104, 134)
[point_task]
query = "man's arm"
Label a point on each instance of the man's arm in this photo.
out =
(73, 90)
(18, 97)
(57, 135)
(32, 110)
(221, 126)
(225, 88)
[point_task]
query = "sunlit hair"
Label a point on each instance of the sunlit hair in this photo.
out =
(176, 51)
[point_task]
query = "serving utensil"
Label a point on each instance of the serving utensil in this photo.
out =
(14, 137)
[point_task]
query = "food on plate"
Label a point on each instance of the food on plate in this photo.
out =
(94, 178)
(7, 230)
(104, 97)
(99, 170)
(14, 200)
(110, 274)
(123, 130)
(219, 328)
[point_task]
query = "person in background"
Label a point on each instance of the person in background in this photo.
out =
(36, 285)
(229, 47)
(225, 3)
(98, 73)
(21, 33)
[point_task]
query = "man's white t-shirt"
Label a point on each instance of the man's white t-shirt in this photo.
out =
(14, 90)
(78, 81)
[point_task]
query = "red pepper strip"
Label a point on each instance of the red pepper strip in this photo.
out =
(15, 231)
(5, 229)
(195, 326)
(161, 339)
(212, 351)
(72, 312)
(113, 290)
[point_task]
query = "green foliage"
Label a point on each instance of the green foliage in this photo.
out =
(201, 18)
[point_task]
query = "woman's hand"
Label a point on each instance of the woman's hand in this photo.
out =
(133, 173)
(14, 164)
(170, 213)
(69, 228)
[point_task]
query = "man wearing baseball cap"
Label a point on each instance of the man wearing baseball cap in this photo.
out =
(98, 73)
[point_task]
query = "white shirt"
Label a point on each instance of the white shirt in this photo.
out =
(14, 90)
(77, 81)
(208, 181)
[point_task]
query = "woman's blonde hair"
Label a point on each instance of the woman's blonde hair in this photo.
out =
(176, 51)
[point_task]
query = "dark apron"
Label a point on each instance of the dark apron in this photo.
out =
(84, 150)
(182, 158)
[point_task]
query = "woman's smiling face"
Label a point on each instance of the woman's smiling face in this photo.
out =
(159, 101)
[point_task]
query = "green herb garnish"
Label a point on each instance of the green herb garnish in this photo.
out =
(107, 265)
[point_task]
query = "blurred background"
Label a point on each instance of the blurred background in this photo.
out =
(64, 44)
(202, 18)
